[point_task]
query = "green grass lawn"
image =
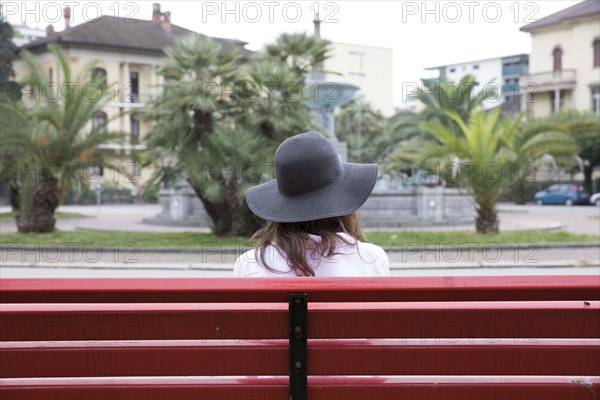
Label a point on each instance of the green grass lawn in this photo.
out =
(199, 240)
(58, 214)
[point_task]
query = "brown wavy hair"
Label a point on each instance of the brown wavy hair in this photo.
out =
(290, 239)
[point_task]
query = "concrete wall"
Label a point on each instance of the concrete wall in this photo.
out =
(417, 206)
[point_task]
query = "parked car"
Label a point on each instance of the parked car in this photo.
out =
(562, 193)
(595, 199)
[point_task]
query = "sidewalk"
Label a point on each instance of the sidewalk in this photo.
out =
(429, 257)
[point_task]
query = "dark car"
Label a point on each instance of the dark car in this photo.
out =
(562, 193)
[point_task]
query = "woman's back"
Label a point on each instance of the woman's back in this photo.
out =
(355, 259)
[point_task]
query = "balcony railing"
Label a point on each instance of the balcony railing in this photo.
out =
(565, 79)
(134, 100)
(509, 88)
(515, 69)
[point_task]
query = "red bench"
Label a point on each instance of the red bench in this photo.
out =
(512, 337)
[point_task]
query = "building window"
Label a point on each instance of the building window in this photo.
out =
(135, 129)
(134, 86)
(95, 170)
(99, 121)
(596, 100)
(476, 66)
(557, 59)
(596, 45)
(99, 75)
(137, 169)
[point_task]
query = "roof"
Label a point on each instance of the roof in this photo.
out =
(584, 9)
(127, 34)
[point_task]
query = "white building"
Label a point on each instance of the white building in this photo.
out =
(368, 67)
(500, 73)
(25, 34)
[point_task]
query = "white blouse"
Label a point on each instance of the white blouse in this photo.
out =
(357, 259)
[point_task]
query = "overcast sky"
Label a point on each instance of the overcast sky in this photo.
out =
(421, 33)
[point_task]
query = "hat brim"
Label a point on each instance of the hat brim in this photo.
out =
(343, 197)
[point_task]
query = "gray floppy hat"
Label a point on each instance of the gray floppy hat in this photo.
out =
(311, 182)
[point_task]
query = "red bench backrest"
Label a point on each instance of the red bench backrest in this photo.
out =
(385, 338)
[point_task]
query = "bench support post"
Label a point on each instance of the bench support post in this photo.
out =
(298, 311)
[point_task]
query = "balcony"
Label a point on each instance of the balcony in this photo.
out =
(133, 100)
(549, 81)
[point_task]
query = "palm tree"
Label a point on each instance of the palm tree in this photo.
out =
(227, 164)
(276, 111)
(488, 149)
(442, 96)
(47, 144)
(194, 99)
(536, 140)
(584, 128)
(216, 113)
(303, 53)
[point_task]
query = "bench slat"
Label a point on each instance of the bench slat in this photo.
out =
(320, 388)
(224, 290)
(330, 357)
(33, 322)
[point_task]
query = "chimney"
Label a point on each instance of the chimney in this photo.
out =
(67, 16)
(165, 24)
(50, 30)
(156, 14)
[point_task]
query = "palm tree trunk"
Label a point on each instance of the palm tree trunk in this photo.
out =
(587, 178)
(40, 216)
(487, 220)
(217, 211)
(13, 194)
(518, 192)
(235, 208)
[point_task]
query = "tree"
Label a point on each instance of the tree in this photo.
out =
(487, 149)
(47, 142)
(301, 52)
(536, 139)
(9, 90)
(218, 121)
(584, 128)
(442, 97)
(361, 127)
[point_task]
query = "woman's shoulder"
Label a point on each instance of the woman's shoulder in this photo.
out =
(373, 248)
(377, 255)
(251, 262)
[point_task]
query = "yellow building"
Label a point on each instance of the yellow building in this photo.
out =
(128, 53)
(564, 65)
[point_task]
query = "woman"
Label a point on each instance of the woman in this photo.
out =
(312, 227)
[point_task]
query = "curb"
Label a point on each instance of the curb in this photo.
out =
(229, 266)
(211, 249)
